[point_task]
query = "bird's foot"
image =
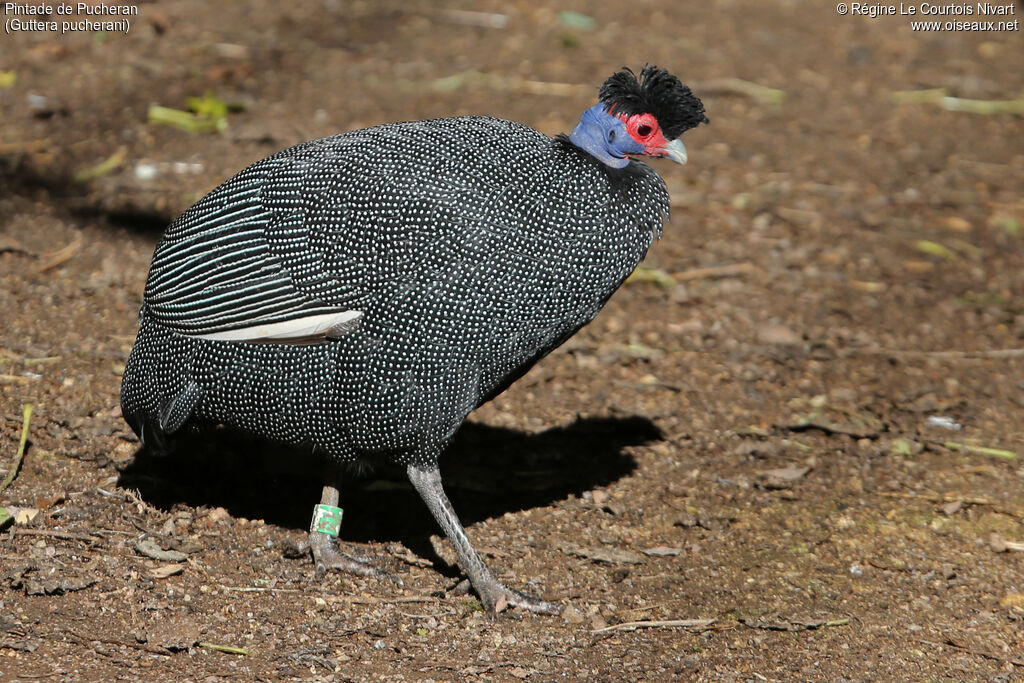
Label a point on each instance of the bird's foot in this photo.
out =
(497, 598)
(326, 555)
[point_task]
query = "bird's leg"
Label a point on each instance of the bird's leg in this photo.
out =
(494, 595)
(323, 534)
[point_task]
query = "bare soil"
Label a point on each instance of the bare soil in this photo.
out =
(777, 436)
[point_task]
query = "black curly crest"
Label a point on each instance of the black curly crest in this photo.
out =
(656, 92)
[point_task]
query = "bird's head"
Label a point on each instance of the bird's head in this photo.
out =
(639, 117)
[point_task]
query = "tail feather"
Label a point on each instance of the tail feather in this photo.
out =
(158, 393)
(177, 409)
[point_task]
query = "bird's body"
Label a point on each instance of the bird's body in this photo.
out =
(362, 293)
(434, 252)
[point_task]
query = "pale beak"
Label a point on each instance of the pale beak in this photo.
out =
(675, 150)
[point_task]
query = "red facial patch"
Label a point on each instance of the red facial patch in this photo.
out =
(645, 130)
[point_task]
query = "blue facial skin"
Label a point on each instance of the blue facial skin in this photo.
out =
(605, 137)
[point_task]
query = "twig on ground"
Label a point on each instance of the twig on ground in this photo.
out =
(105, 167)
(226, 648)
(926, 96)
(980, 450)
(447, 612)
(62, 255)
(953, 498)
(983, 107)
(474, 18)
(16, 379)
(86, 639)
(132, 496)
(942, 98)
(998, 354)
(792, 625)
(727, 270)
(738, 86)
(370, 600)
(188, 121)
(474, 78)
(65, 535)
(981, 653)
(20, 455)
(666, 623)
(23, 147)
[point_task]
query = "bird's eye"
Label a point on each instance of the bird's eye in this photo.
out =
(642, 127)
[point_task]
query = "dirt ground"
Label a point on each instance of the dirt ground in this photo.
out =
(790, 451)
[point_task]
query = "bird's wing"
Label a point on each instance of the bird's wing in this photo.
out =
(299, 245)
(248, 262)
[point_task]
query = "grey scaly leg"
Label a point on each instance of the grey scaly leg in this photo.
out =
(494, 595)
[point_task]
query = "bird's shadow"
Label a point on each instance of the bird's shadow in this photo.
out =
(487, 472)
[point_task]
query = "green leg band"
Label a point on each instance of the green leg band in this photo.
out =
(327, 520)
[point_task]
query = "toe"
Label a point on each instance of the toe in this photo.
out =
(326, 556)
(527, 602)
(497, 598)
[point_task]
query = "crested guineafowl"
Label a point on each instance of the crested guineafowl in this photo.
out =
(363, 293)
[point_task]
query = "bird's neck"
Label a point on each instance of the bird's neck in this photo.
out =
(591, 135)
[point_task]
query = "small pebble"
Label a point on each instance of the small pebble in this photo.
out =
(943, 422)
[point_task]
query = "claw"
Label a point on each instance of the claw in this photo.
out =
(326, 555)
(507, 597)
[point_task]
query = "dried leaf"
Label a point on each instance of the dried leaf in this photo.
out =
(606, 555)
(175, 634)
(571, 615)
(150, 549)
(956, 223)
(859, 426)
(20, 516)
(576, 20)
(166, 570)
(934, 249)
(905, 447)
(786, 473)
(1015, 600)
(779, 335)
(950, 509)
(1001, 545)
(57, 585)
(649, 275)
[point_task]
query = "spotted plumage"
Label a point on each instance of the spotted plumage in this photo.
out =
(362, 293)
